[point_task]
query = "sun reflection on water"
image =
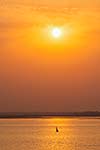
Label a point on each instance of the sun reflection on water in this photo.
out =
(40, 134)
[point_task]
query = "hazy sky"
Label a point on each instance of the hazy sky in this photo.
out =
(40, 73)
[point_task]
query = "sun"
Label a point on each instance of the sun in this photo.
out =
(56, 32)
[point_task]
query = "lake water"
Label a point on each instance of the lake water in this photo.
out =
(40, 134)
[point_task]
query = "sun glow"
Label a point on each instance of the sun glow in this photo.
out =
(57, 36)
(56, 32)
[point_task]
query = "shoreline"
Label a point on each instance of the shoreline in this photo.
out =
(11, 115)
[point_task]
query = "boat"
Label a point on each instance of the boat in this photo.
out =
(57, 129)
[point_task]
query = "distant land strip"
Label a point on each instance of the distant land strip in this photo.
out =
(48, 114)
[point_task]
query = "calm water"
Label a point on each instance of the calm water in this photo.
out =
(40, 134)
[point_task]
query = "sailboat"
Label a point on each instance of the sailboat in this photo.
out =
(57, 129)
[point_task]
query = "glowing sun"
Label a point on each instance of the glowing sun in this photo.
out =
(56, 32)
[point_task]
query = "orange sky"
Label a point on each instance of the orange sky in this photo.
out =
(40, 73)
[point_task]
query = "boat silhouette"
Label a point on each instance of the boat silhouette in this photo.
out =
(57, 129)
